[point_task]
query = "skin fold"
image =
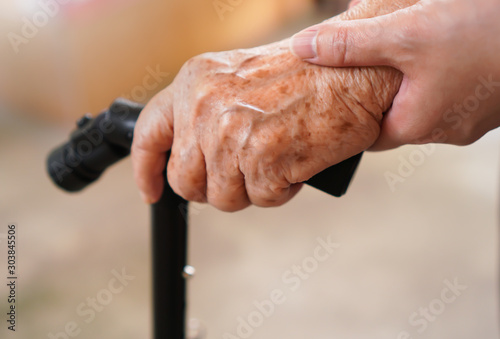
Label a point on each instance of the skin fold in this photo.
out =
(248, 126)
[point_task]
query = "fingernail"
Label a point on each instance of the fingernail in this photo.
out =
(147, 199)
(303, 44)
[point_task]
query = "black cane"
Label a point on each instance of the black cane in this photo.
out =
(98, 143)
(169, 222)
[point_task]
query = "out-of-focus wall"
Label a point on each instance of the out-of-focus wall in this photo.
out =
(77, 56)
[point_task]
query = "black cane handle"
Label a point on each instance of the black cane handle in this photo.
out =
(99, 142)
(336, 179)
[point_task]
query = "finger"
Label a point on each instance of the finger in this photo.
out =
(186, 170)
(153, 136)
(226, 188)
(366, 42)
(270, 195)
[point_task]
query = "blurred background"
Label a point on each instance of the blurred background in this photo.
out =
(415, 259)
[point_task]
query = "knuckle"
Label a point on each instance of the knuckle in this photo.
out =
(268, 138)
(193, 61)
(230, 126)
(333, 45)
(269, 202)
(183, 185)
(227, 194)
(270, 195)
(199, 63)
(340, 45)
(226, 189)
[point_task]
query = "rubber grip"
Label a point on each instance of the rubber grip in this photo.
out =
(335, 179)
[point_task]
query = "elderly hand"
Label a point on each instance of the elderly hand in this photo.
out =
(248, 126)
(448, 51)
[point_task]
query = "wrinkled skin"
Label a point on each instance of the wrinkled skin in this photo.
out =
(248, 126)
(448, 52)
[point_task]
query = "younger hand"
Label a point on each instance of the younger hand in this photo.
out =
(448, 51)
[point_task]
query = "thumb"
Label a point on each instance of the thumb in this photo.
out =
(375, 41)
(153, 136)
